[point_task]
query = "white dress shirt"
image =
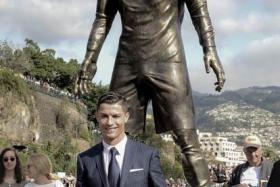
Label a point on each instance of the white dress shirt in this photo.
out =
(119, 157)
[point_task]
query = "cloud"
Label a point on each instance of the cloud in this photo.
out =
(257, 65)
(47, 21)
(271, 5)
(218, 9)
(252, 23)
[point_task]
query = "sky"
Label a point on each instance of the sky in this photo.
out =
(247, 37)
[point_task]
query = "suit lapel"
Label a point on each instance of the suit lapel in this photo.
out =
(127, 161)
(100, 165)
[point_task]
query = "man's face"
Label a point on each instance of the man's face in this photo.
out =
(253, 155)
(112, 119)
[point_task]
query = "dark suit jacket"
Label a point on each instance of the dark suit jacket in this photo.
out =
(274, 180)
(141, 167)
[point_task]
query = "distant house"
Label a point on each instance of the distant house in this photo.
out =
(223, 150)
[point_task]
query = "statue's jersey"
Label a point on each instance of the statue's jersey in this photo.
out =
(150, 31)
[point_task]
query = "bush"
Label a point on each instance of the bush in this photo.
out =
(62, 154)
(85, 134)
(11, 83)
(3, 143)
(171, 170)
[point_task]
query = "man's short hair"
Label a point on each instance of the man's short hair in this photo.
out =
(113, 98)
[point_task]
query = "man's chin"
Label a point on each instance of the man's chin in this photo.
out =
(112, 138)
(110, 131)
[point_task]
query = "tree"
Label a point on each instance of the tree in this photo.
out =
(32, 53)
(44, 67)
(91, 99)
(11, 83)
(6, 54)
(31, 48)
(20, 62)
(66, 73)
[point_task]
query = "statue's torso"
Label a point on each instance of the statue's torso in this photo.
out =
(151, 30)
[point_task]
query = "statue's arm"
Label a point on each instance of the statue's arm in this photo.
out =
(201, 20)
(105, 14)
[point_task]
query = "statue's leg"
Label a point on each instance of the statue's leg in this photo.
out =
(174, 111)
(125, 82)
(194, 165)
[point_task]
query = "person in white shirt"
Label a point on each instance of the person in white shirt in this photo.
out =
(256, 170)
(39, 169)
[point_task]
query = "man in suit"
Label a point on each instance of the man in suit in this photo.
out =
(117, 161)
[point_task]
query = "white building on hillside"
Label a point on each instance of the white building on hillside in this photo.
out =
(223, 150)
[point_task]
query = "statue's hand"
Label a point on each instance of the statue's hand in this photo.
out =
(84, 78)
(212, 60)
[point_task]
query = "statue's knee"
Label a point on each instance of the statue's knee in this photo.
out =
(186, 138)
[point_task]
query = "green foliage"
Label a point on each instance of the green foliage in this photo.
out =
(6, 53)
(3, 143)
(270, 154)
(178, 154)
(43, 65)
(150, 137)
(85, 134)
(11, 83)
(66, 73)
(53, 70)
(20, 62)
(62, 154)
(23, 157)
(40, 64)
(90, 100)
(170, 169)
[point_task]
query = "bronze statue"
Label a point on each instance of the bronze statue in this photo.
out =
(151, 65)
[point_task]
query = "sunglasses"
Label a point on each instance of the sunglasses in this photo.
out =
(6, 159)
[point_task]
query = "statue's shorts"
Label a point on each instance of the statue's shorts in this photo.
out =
(165, 84)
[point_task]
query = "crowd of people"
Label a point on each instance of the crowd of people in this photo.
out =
(45, 87)
(219, 173)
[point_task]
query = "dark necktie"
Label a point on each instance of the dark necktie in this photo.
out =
(114, 170)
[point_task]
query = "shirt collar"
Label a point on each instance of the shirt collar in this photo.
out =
(120, 146)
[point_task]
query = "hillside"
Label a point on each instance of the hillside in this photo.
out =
(28, 116)
(237, 113)
(32, 116)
